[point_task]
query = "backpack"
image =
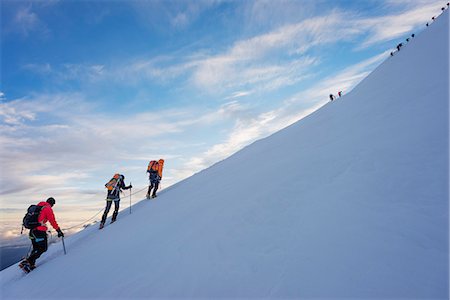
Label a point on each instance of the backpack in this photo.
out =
(113, 183)
(30, 220)
(153, 167)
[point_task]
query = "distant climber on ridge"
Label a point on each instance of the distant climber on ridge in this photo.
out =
(332, 97)
(114, 186)
(35, 219)
(154, 169)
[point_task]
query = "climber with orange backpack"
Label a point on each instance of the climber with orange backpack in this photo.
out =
(154, 169)
(114, 186)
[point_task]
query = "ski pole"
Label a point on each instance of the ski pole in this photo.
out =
(64, 246)
(130, 199)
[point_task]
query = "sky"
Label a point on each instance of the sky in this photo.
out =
(93, 88)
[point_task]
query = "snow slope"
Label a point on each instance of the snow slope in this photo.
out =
(351, 201)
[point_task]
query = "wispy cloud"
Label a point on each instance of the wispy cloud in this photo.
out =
(247, 130)
(239, 94)
(171, 14)
(251, 61)
(69, 72)
(269, 60)
(11, 115)
(47, 144)
(393, 26)
(27, 22)
(281, 57)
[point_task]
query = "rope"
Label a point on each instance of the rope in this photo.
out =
(78, 225)
(96, 214)
(139, 191)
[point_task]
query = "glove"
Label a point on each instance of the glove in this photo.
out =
(130, 186)
(60, 233)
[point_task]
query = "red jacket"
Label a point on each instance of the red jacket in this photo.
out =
(46, 215)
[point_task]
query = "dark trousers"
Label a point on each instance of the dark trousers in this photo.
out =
(108, 207)
(155, 185)
(39, 241)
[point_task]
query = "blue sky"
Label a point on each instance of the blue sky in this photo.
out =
(91, 88)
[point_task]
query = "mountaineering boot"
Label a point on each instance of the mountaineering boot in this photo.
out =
(114, 217)
(147, 196)
(102, 222)
(154, 196)
(26, 266)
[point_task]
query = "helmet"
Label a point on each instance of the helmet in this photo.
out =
(51, 201)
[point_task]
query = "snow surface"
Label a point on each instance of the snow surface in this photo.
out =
(350, 202)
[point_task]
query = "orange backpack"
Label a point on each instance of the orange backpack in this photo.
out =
(156, 167)
(113, 183)
(161, 166)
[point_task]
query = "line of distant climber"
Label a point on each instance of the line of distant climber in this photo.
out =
(400, 45)
(442, 10)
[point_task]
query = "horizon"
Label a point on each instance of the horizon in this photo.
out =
(94, 88)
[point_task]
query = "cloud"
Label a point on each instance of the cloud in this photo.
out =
(54, 141)
(27, 22)
(279, 58)
(165, 15)
(268, 61)
(12, 115)
(249, 129)
(69, 72)
(160, 69)
(264, 14)
(41, 69)
(393, 26)
(186, 12)
(239, 94)
(20, 111)
(251, 63)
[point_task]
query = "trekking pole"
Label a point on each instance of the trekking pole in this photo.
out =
(130, 199)
(64, 246)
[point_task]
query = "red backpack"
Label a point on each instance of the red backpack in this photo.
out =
(153, 166)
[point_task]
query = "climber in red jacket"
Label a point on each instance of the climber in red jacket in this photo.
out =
(38, 235)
